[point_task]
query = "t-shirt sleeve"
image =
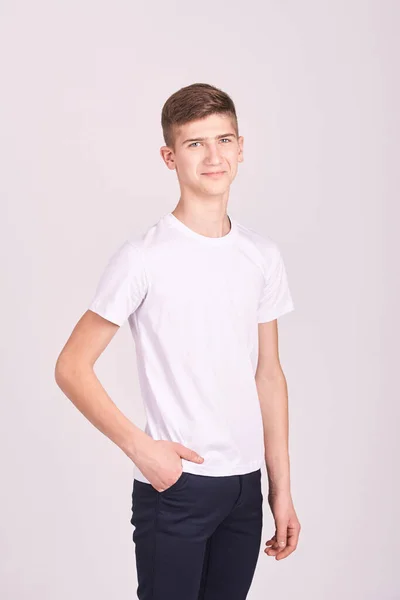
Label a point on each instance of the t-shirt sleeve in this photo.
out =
(276, 298)
(122, 285)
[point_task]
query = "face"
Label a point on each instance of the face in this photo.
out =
(206, 156)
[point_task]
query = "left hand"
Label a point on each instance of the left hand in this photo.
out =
(287, 526)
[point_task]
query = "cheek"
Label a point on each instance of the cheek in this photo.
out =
(233, 154)
(188, 167)
(191, 163)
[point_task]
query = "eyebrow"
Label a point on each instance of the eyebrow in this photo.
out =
(202, 139)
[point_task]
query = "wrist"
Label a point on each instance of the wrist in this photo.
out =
(278, 487)
(278, 491)
(134, 444)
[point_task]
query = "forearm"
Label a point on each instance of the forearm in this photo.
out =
(273, 397)
(81, 385)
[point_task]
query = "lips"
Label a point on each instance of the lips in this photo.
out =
(214, 173)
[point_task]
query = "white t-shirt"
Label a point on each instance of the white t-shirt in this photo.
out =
(193, 304)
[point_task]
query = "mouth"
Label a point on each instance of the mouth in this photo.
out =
(215, 174)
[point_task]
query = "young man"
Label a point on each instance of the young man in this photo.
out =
(202, 295)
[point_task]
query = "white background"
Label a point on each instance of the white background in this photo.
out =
(316, 88)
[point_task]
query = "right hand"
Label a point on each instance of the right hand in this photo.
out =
(160, 461)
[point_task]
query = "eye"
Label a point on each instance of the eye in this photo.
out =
(225, 139)
(193, 143)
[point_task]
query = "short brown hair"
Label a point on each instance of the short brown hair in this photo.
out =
(195, 101)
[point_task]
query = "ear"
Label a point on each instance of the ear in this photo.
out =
(168, 156)
(240, 154)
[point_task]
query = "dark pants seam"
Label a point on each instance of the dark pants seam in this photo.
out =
(207, 560)
(155, 544)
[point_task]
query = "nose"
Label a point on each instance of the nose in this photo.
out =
(212, 157)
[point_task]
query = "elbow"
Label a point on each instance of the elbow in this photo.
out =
(273, 375)
(61, 371)
(65, 369)
(70, 367)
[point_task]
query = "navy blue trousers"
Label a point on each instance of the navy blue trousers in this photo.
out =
(199, 539)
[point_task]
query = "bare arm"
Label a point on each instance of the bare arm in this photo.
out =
(75, 376)
(158, 460)
(273, 396)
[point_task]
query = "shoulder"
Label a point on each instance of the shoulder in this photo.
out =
(126, 255)
(150, 238)
(264, 245)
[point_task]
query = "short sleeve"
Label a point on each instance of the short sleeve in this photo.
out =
(276, 299)
(122, 285)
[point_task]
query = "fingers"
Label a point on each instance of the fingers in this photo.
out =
(188, 453)
(271, 546)
(290, 547)
(281, 534)
(290, 542)
(279, 540)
